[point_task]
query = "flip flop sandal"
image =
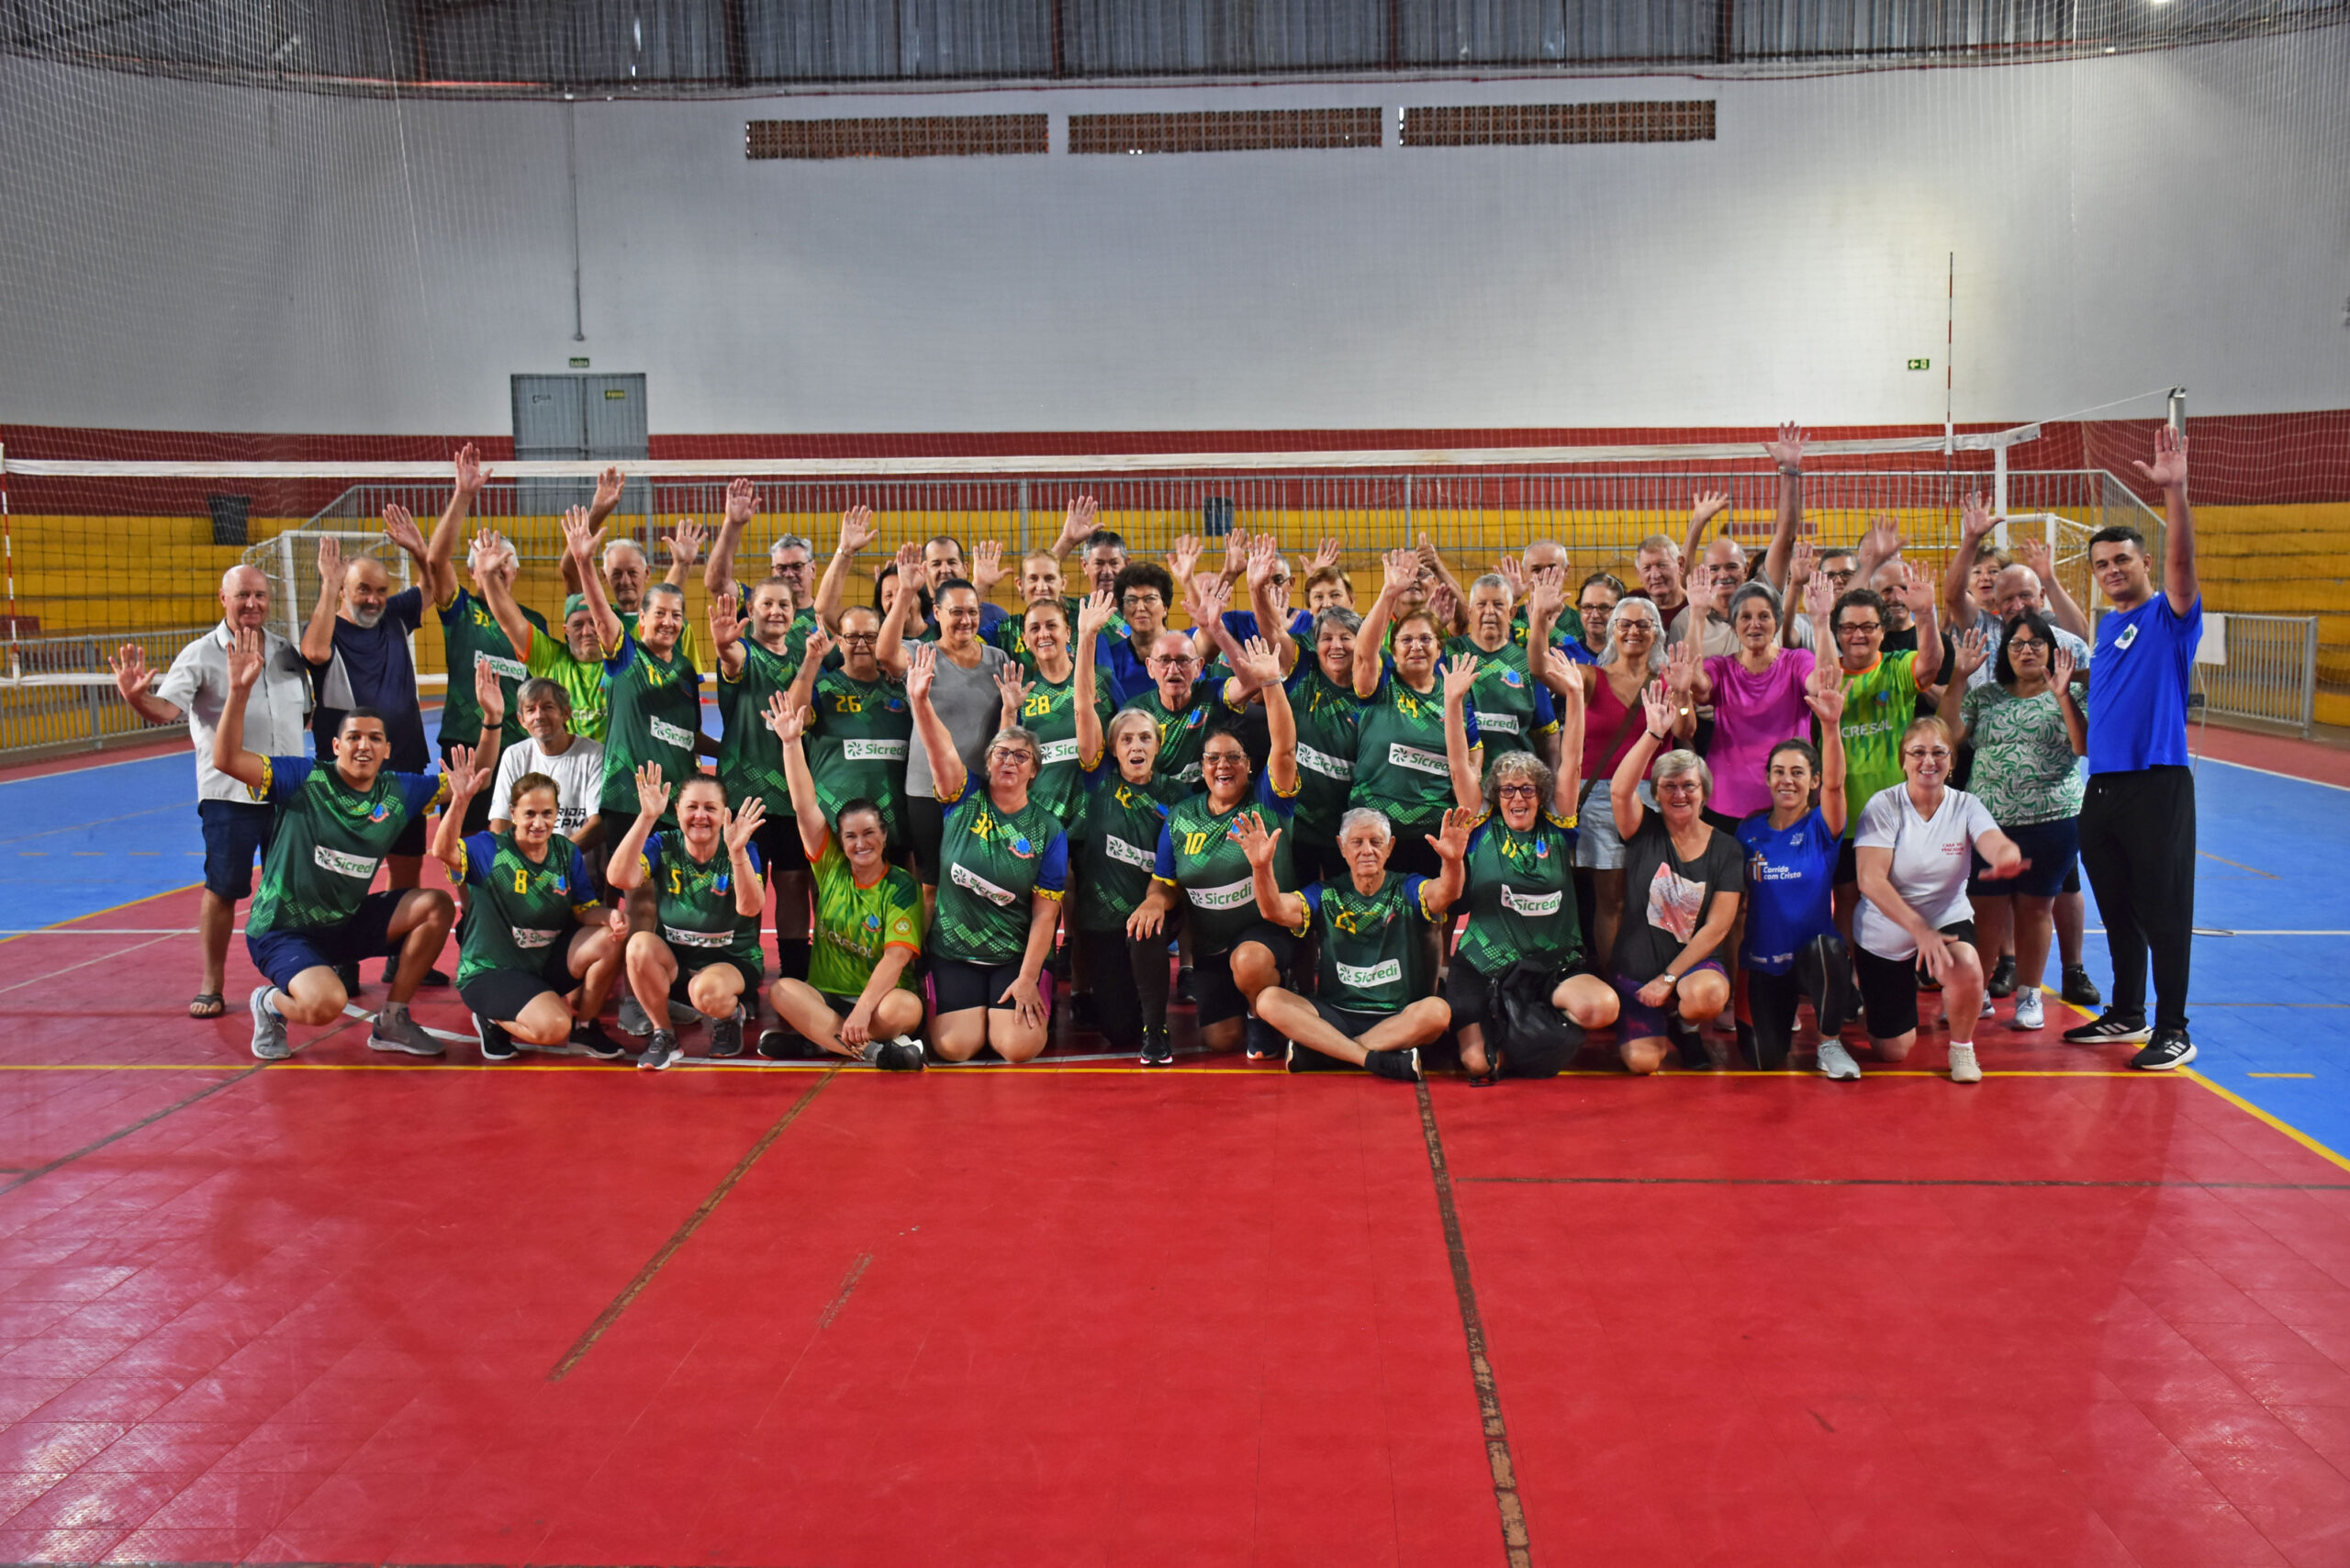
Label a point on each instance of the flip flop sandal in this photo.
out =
(207, 1004)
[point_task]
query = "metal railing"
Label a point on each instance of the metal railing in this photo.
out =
(61, 696)
(2262, 668)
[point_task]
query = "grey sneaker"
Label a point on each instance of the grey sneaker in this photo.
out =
(1964, 1068)
(1836, 1062)
(2170, 1048)
(633, 1020)
(726, 1034)
(2029, 1012)
(396, 1031)
(660, 1050)
(269, 1029)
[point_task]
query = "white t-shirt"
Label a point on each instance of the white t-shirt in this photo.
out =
(1932, 857)
(578, 775)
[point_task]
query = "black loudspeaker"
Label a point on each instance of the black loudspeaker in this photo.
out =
(230, 515)
(1215, 517)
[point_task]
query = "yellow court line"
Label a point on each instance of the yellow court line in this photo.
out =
(2239, 865)
(2290, 1131)
(2280, 1075)
(110, 909)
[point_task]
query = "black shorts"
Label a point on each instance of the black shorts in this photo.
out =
(414, 837)
(1213, 989)
(1352, 1024)
(1468, 992)
(499, 995)
(234, 833)
(780, 851)
(926, 829)
(282, 955)
(1889, 987)
(2054, 850)
(692, 961)
(958, 987)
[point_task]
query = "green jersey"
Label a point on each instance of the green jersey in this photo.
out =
(695, 903)
(1508, 706)
(655, 717)
(521, 910)
(854, 921)
(1567, 628)
(992, 863)
(581, 679)
(1329, 726)
(1879, 702)
(750, 759)
(687, 647)
(1400, 765)
(1184, 731)
(1199, 858)
(329, 839)
(856, 745)
(1051, 713)
(1123, 823)
(1373, 958)
(1521, 896)
(470, 636)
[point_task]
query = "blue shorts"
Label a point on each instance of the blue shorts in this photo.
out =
(282, 955)
(234, 832)
(1634, 1019)
(2054, 851)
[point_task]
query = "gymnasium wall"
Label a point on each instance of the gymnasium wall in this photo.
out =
(186, 256)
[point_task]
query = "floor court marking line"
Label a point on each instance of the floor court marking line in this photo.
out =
(1514, 1545)
(2248, 767)
(684, 1233)
(2238, 865)
(2280, 1075)
(103, 957)
(2290, 1131)
(1894, 1182)
(38, 1171)
(65, 927)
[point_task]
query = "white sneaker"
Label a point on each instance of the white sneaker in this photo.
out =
(1989, 1011)
(2029, 1011)
(1835, 1062)
(1963, 1065)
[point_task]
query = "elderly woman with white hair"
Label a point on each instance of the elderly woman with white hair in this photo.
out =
(1683, 878)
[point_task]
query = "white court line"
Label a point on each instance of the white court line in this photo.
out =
(2271, 773)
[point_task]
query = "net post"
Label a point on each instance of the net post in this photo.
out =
(8, 553)
(1999, 491)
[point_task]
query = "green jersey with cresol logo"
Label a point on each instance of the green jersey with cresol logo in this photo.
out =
(854, 922)
(992, 863)
(329, 839)
(1879, 702)
(1509, 706)
(695, 909)
(1120, 846)
(856, 745)
(521, 910)
(1329, 726)
(1400, 766)
(1051, 711)
(1373, 958)
(1199, 858)
(656, 716)
(470, 636)
(1184, 731)
(1521, 895)
(582, 679)
(750, 759)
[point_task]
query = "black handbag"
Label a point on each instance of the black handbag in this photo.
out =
(1526, 1036)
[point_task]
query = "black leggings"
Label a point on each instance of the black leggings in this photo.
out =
(1821, 974)
(2138, 846)
(1130, 985)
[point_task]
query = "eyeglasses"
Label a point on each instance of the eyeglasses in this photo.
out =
(1224, 759)
(1925, 754)
(1850, 627)
(1173, 664)
(1508, 792)
(861, 636)
(1141, 601)
(1278, 579)
(1836, 577)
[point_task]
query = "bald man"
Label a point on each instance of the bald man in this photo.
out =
(236, 826)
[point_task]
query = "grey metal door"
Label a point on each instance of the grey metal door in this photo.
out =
(573, 418)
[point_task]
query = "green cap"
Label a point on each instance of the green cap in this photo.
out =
(572, 606)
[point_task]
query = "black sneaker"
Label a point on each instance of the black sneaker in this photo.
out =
(2079, 990)
(2170, 1048)
(2003, 978)
(1264, 1044)
(590, 1038)
(779, 1044)
(1081, 1013)
(1184, 986)
(2110, 1029)
(660, 1049)
(1926, 980)
(1686, 1040)
(496, 1045)
(726, 1034)
(1403, 1066)
(1158, 1049)
(900, 1053)
(434, 979)
(347, 977)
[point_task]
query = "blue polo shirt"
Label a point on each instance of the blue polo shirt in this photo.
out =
(2145, 658)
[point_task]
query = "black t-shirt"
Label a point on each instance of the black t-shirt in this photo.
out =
(372, 667)
(1906, 642)
(1666, 899)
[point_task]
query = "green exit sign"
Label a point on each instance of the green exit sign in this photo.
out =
(1921, 365)
(579, 362)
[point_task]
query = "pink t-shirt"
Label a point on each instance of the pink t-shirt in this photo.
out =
(1751, 714)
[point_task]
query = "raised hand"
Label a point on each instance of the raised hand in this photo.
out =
(1513, 571)
(741, 502)
(1205, 599)
(131, 676)
(609, 484)
(1258, 663)
(1661, 710)
(910, 566)
(1969, 651)
(1823, 692)
(788, 719)
(1326, 555)
(725, 625)
(1883, 540)
(685, 544)
(1787, 450)
(818, 645)
(1459, 677)
(466, 779)
(331, 561)
(2168, 469)
(1546, 601)
(401, 529)
(742, 826)
(1429, 559)
(1096, 613)
(1403, 570)
(470, 474)
(1443, 605)
(1264, 556)
(1915, 591)
(1255, 839)
(488, 694)
(246, 659)
(1451, 843)
(490, 556)
(987, 565)
(1820, 604)
(1802, 561)
(1236, 552)
(2060, 667)
(581, 539)
(1707, 506)
(857, 530)
(1013, 691)
(2035, 554)
(1975, 520)
(922, 669)
(652, 795)
(1078, 522)
(1184, 557)
(1680, 668)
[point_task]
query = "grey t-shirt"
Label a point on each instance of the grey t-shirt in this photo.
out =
(971, 708)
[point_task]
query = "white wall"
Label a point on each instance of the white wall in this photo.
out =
(183, 256)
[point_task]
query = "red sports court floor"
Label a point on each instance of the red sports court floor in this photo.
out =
(347, 1309)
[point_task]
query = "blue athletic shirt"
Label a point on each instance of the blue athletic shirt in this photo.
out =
(1790, 877)
(2143, 659)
